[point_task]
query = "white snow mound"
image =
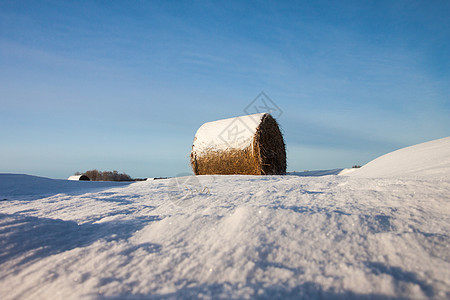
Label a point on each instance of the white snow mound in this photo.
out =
(426, 160)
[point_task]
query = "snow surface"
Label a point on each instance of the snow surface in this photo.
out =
(327, 237)
(235, 133)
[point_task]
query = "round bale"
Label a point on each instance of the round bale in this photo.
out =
(249, 145)
(79, 177)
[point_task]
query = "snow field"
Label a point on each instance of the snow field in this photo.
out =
(251, 236)
(378, 232)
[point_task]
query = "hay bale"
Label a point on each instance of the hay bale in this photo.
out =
(250, 145)
(79, 177)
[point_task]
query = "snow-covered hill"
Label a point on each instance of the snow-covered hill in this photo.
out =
(328, 237)
(430, 159)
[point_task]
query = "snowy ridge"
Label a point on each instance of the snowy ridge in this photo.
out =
(426, 160)
(235, 133)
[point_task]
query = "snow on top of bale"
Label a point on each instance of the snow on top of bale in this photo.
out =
(234, 133)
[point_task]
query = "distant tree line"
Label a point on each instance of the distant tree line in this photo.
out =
(96, 175)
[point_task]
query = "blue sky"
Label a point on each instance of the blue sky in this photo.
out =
(124, 85)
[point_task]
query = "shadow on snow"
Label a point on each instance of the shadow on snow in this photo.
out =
(33, 238)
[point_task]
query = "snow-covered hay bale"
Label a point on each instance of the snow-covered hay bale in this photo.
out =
(79, 177)
(251, 145)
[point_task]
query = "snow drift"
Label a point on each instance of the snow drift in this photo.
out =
(430, 159)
